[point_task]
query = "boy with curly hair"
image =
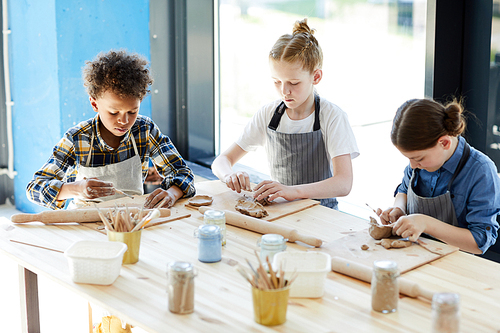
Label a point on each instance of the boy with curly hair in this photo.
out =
(112, 151)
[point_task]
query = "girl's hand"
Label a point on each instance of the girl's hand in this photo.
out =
(272, 190)
(160, 198)
(411, 226)
(238, 181)
(91, 188)
(390, 215)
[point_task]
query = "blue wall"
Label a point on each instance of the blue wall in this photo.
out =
(49, 44)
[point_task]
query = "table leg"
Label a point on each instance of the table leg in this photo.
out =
(28, 289)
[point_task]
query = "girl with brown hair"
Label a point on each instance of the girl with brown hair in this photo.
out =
(308, 140)
(450, 190)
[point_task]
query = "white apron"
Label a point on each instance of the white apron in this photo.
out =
(440, 207)
(125, 175)
(298, 158)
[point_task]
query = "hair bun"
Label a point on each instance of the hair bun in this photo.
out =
(302, 27)
(454, 122)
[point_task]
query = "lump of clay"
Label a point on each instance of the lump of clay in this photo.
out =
(378, 231)
(200, 200)
(396, 244)
(364, 247)
(248, 206)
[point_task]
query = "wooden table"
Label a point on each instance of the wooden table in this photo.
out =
(223, 301)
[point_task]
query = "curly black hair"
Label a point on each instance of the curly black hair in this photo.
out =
(123, 73)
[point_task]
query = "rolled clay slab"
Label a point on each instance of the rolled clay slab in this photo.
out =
(200, 200)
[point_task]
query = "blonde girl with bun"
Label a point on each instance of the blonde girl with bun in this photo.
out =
(308, 140)
(450, 190)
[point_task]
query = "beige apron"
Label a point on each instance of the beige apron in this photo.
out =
(125, 175)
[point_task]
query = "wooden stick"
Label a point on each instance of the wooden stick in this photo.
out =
(41, 247)
(166, 220)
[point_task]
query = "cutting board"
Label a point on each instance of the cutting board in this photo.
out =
(277, 209)
(222, 201)
(349, 247)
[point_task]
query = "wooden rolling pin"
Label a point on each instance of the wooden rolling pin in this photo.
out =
(73, 215)
(363, 273)
(264, 227)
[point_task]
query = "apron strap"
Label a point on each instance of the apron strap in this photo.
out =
(87, 163)
(461, 163)
(280, 109)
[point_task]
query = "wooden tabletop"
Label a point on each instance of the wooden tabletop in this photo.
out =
(223, 300)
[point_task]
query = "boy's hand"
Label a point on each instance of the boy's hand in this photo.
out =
(238, 181)
(390, 215)
(160, 198)
(92, 188)
(272, 190)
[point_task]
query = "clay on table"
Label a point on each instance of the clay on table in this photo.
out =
(378, 231)
(200, 200)
(248, 206)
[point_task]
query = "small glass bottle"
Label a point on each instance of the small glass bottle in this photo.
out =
(216, 217)
(180, 287)
(209, 243)
(270, 244)
(445, 313)
(385, 287)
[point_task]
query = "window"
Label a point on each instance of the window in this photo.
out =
(374, 60)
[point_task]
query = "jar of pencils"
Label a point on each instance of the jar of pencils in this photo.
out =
(216, 217)
(180, 287)
(209, 243)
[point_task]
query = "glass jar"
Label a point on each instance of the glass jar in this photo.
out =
(180, 287)
(385, 287)
(209, 243)
(445, 313)
(270, 244)
(216, 217)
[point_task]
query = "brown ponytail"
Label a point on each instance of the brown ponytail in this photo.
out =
(419, 123)
(301, 46)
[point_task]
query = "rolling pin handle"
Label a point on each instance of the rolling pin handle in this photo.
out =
(310, 240)
(24, 218)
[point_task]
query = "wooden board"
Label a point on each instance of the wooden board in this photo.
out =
(277, 209)
(349, 247)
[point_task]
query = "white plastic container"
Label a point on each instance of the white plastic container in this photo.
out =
(95, 262)
(311, 267)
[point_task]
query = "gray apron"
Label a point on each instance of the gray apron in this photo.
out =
(125, 175)
(298, 158)
(440, 207)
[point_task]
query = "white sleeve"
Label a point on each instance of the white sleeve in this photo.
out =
(255, 132)
(337, 131)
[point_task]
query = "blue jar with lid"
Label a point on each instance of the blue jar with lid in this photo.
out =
(209, 243)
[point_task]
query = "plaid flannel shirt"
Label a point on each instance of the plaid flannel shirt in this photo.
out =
(73, 149)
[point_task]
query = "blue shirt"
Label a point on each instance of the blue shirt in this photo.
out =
(475, 192)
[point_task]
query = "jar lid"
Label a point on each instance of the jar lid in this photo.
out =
(385, 265)
(214, 214)
(272, 239)
(208, 230)
(445, 299)
(180, 266)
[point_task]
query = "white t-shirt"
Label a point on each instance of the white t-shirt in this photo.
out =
(335, 128)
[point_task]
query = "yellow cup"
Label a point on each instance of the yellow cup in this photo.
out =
(269, 306)
(133, 241)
